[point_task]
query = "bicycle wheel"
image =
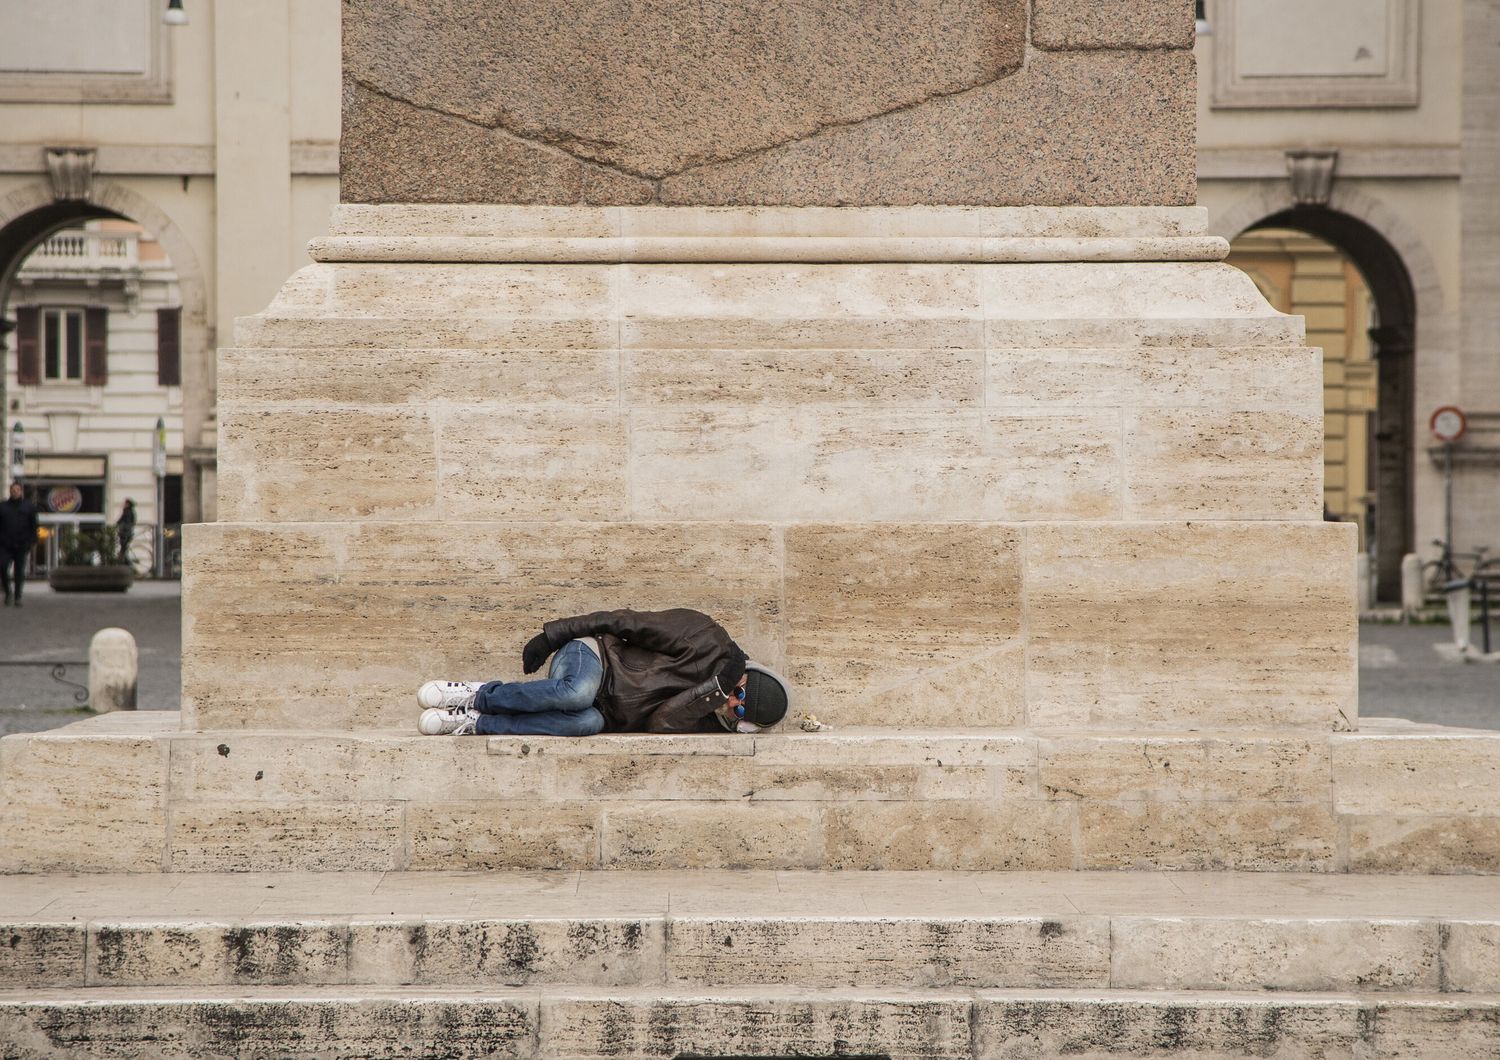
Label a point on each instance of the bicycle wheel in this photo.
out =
(140, 556)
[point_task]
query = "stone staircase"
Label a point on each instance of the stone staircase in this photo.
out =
(753, 963)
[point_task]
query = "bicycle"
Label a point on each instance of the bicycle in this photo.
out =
(1438, 574)
(141, 555)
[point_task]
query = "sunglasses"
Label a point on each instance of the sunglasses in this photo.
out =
(739, 710)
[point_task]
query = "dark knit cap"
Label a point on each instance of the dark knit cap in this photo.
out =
(767, 695)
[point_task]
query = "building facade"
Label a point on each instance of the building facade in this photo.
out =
(218, 137)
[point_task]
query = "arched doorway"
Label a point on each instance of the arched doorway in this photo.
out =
(93, 387)
(1391, 331)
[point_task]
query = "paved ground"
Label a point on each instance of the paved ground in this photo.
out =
(1402, 672)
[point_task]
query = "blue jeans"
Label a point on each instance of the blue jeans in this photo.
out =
(562, 704)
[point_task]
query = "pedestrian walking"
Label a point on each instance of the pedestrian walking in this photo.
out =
(125, 528)
(18, 530)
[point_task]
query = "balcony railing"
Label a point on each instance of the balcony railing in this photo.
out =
(86, 252)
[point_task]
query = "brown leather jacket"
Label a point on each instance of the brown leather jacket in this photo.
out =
(656, 666)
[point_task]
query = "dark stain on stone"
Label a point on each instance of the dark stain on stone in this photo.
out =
(1172, 1030)
(260, 774)
(632, 935)
(1052, 929)
(521, 949)
(15, 940)
(223, 750)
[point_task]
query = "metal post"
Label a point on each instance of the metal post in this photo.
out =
(1448, 508)
(159, 467)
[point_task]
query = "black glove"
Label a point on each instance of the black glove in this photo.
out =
(535, 653)
(731, 670)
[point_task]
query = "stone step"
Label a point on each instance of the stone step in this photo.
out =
(650, 1023)
(1393, 797)
(1138, 931)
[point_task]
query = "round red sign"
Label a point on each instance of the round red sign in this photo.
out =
(1448, 424)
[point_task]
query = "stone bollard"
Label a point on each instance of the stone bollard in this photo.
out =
(1362, 582)
(113, 670)
(1411, 583)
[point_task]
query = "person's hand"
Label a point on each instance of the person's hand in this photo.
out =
(731, 671)
(535, 653)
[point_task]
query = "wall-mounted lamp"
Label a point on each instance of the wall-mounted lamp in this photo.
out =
(174, 15)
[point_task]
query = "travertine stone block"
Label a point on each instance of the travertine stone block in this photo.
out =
(484, 952)
(1166, 953)
(1129, 141)
(282, 1023)
(1240, 378)
(826, 465)
(656, 778)
(673, 86)
(43, 838)
(1417, 775)
(499, 462)
(1161, 625)
(1184, 768)
(381, 329)
(503, 835)
(1069, 25)
(184, 953)
(1466, 1029)
(1100, 1026)
(434, 293)
(1471, 956)
(278, 464)
(313, 837)
(779, 379)
(1423, 844)
(274, 638)
(1021, 951)
(751, 1023)
(949, 835)
(577, 378)
(1262, 837)
(1213, 464)
(712, 835)
(36, 953)
(906, 624)
(280, 767)
(82, 773)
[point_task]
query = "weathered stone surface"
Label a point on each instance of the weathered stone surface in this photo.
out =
(392, 150)
(503, 835)
(1156, 625)
(1080, 128)
(1420, 775)
(141, 953)
(1423, 844)
(1211, 464)
(890, 952)
(1471, 955)
(577, 378)
(903, 465)
(42, 838)
(257, 837)
(244, 1023)
(327, 464)
(1244, 378)
(1250, 953)
(573, 952)
(1184, 768)
(781, 835)
(1263, 837)
(879, 618)
(1096, 1027)
(655, 88)
(1458, 1028)
(37, 953)
(778, 379)
(745, 1023)
(949, 835)
(1077, 24)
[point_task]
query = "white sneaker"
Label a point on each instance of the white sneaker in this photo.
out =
(448, 695)
(436, 721)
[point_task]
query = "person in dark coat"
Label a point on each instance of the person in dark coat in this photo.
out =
(18, 529)
(125, 528)
(674, 671)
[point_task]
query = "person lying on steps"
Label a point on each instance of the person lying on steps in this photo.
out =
(616, 671)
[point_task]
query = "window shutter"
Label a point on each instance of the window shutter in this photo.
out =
(28, 345)
(96, 345)
(169, 347)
